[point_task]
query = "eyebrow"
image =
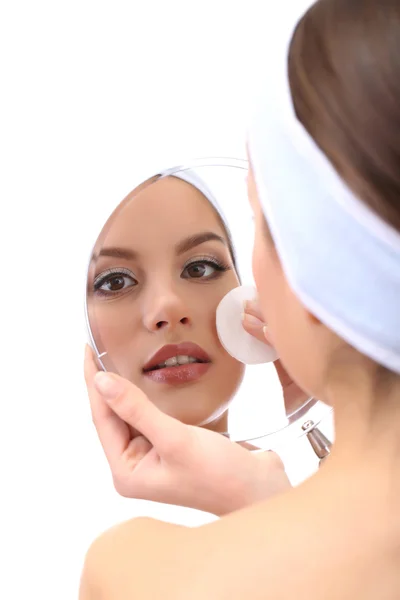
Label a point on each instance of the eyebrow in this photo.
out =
(183, 246)
(198, 239)
(116, 252)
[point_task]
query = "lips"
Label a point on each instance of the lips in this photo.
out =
(176, 350)
(176, 364)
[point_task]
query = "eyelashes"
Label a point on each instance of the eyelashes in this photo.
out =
(119, 280)
(201, 263)
(116, 276)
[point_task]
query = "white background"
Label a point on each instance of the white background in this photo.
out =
(94, 97)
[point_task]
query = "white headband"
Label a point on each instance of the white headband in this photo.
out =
(341, 259)
(191, 177)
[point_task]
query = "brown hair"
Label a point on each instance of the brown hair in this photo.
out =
(344, 72)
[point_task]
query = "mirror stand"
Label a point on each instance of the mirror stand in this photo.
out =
(319, 442)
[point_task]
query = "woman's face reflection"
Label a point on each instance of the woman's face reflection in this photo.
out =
(156, 280)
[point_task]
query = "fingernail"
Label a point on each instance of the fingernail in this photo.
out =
(251, 320)
(108, 385)
(266, 332)
(249, 305)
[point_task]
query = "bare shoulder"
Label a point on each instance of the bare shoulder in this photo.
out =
(152, 560)
(148, 559)
(292, 546)
(139, 558)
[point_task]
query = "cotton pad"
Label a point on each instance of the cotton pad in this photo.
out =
(233, 337)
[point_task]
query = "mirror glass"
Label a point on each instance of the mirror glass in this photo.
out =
(165, 258)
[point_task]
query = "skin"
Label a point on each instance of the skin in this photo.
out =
(173, 463)
(336, 537)
(255, 324)
(155, 300)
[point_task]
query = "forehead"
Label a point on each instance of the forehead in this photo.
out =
(163, 213)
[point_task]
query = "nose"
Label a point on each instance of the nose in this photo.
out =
(165, 311)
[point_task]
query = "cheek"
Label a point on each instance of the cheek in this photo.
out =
(117, 320)
(208, 296)
(273, 296)
(116, 327)
(265, 276)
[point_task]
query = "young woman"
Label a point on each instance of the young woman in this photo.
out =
(325, 156)
(154, 285)
(155, 281)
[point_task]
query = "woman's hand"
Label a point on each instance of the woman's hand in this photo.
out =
(254, 324)
(155, 457)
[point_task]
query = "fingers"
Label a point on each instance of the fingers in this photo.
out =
(253, 322)
(137, 450)
(254, 327)
(113, 433)
(133, 407)
(252, 308)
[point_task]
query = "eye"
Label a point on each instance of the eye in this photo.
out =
(203, 269)
(113, 281)
(200, 270)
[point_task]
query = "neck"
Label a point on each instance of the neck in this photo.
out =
(360, 481)
(367, 430)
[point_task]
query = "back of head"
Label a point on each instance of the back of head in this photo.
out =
(325, 152)
(344, 74)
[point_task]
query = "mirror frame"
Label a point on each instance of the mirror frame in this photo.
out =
(313, 409)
